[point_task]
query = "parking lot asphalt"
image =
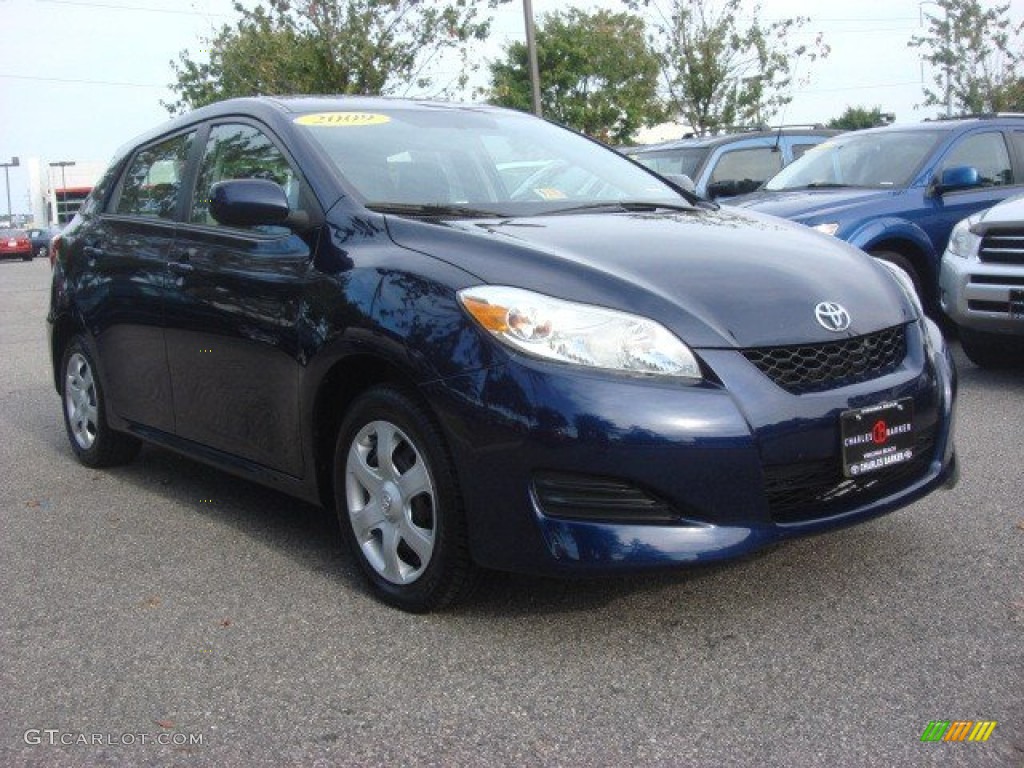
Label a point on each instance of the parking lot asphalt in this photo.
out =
(164, 613)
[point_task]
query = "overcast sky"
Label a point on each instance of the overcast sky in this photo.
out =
(78, 78)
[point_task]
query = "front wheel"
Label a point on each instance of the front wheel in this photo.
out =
(94, 443)
(990, 350)
(398, 502)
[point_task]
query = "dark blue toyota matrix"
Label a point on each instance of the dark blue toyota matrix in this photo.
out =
(487, 341)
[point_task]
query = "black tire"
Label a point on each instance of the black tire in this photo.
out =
(27, 258)
(402, 518)
(990, 350)
(903, 263)
(93, 442)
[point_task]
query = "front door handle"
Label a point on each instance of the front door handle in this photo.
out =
(181, 267)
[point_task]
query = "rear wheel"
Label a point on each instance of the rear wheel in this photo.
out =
(94, 443)
(398, 502)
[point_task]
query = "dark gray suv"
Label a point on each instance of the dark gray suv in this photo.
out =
(734, 163)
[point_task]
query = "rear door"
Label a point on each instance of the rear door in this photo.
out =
(125, 282)
(233, 309)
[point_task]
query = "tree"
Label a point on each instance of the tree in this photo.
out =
(716, 70)
(598, 74)
(976, 54)
(329, 46)
(855, 118)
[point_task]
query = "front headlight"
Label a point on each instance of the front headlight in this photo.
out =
(828, 228)
(580, 334)
(906, 283)
(962, 242)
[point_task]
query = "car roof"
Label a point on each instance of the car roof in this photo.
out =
(691, 142)
(272, 108)
(950, 124)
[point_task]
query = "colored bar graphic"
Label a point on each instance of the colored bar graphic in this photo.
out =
(982, 731)
(958, 730)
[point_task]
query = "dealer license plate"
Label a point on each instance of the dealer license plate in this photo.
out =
(877, 437)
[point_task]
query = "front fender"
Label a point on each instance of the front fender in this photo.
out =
(873, 232)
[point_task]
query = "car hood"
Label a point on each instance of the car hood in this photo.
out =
(799, 204)
(715, 278)
(1009, 214)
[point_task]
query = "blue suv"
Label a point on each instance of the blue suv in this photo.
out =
(897, 191)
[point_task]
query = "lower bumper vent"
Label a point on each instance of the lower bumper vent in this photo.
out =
(599, 499)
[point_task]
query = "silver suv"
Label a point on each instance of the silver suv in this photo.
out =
(981, 284)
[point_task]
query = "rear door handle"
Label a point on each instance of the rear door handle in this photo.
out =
(93, 252)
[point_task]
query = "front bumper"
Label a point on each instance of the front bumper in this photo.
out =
(708, 451)
(977, 296)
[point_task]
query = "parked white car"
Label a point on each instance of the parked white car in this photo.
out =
(982, 284)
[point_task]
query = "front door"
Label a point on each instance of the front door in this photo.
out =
(233, 312)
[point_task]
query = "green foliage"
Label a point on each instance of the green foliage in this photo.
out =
(329, 46)
(975, 53)
(855, 118)
(598, 74)
(719, 72)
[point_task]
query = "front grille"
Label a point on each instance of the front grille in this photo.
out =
(813, 489)
(588, 497)
(817, 367)
(1002, 247)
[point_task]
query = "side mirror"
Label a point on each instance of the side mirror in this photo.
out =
(248, 203)
(957, 177)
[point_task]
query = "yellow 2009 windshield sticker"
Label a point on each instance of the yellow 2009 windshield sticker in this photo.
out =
(343, 119)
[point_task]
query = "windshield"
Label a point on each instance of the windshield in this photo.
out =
(681, 161)
(467, 160)
(883, 160)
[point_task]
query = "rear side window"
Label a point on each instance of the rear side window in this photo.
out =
(986, 152)
(238, 151)
(1017, 139)
(152, 184)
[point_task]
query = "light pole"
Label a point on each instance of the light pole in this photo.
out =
(62, 164)
(7, 182)
(531, 55)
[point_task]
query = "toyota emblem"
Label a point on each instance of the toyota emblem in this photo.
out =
(832, 316)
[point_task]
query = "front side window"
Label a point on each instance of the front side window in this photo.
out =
(152, 184)
(238, 151)
(985, 152)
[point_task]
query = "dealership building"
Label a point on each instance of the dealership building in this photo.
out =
(56, 188)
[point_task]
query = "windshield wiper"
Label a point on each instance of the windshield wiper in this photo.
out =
(824, 185)
(433, 209)
(630, 206)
